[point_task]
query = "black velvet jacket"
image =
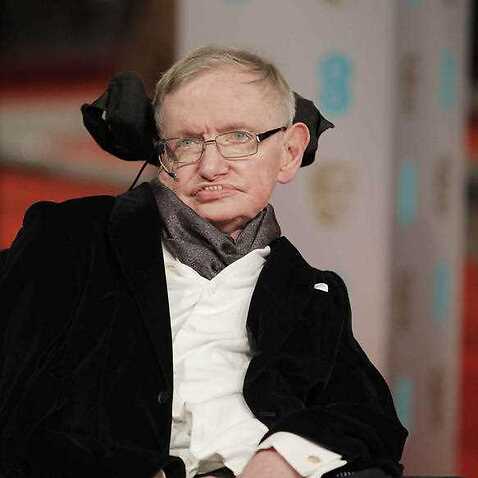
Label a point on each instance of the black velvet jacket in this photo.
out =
(86, 354)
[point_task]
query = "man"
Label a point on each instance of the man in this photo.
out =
(171, 331)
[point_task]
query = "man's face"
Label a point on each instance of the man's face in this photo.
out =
(226, 193)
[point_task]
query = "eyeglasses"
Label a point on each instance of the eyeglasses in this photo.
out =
(231, 145)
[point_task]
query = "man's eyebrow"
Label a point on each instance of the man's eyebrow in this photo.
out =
(186, 133)
(181, 133)
(237, 125)
(190, 133)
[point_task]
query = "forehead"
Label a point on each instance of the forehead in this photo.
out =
(219, 98)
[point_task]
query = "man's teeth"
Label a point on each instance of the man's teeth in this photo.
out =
(212, 188)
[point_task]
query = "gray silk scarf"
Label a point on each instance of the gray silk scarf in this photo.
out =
(199, 244)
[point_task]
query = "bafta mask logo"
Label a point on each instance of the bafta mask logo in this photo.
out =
(441, 291)
(442, 183)
(436, 397)
(331, 189)
(402, 300)
(408, 82)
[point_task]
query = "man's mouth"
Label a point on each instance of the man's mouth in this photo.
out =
(211, 192)
(215, 187)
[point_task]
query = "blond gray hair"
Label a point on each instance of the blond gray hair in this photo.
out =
(211, 57)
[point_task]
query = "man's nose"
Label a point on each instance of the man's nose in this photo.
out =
(212, 163)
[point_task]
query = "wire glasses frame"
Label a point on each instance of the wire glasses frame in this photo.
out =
(231, 145)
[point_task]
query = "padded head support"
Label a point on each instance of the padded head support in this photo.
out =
(121, 121)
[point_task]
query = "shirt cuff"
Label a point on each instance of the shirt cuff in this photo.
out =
(306, 457)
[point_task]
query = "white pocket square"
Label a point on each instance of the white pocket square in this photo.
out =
(321, 286)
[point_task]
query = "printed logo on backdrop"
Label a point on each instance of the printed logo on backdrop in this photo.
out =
(334, 84)
(403, 395)
(407, 193)
(447, 74)
(403, 287)
(331, 188)
(441, 291)
(435, 384)
(408, 81)
(442, 183)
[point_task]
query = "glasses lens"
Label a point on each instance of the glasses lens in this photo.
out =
(236, 144)
(184, 150)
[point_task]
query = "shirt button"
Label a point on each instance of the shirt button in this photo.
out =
(314, 459)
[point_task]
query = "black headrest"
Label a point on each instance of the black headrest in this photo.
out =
(121, 121)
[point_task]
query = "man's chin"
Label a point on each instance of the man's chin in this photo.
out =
(222, 222)
(213, 212)
(225, 221)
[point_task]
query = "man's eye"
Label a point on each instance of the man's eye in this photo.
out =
(185, 143)
(240, 136)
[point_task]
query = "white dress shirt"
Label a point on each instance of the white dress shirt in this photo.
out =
(212, 424)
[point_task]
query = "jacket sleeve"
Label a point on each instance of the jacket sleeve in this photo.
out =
(38, 289)
(42, 282)
(346, 406)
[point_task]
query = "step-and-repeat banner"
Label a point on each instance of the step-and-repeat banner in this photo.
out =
(383, 204)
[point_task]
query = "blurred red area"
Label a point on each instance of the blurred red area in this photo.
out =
(19, 188)
(469, 376)
(472, 139)
(468, 458)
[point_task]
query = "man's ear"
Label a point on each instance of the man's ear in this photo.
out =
(296, 139)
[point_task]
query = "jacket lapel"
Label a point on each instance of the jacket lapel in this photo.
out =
(284, 296)
(135, 234)
(282, 292)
